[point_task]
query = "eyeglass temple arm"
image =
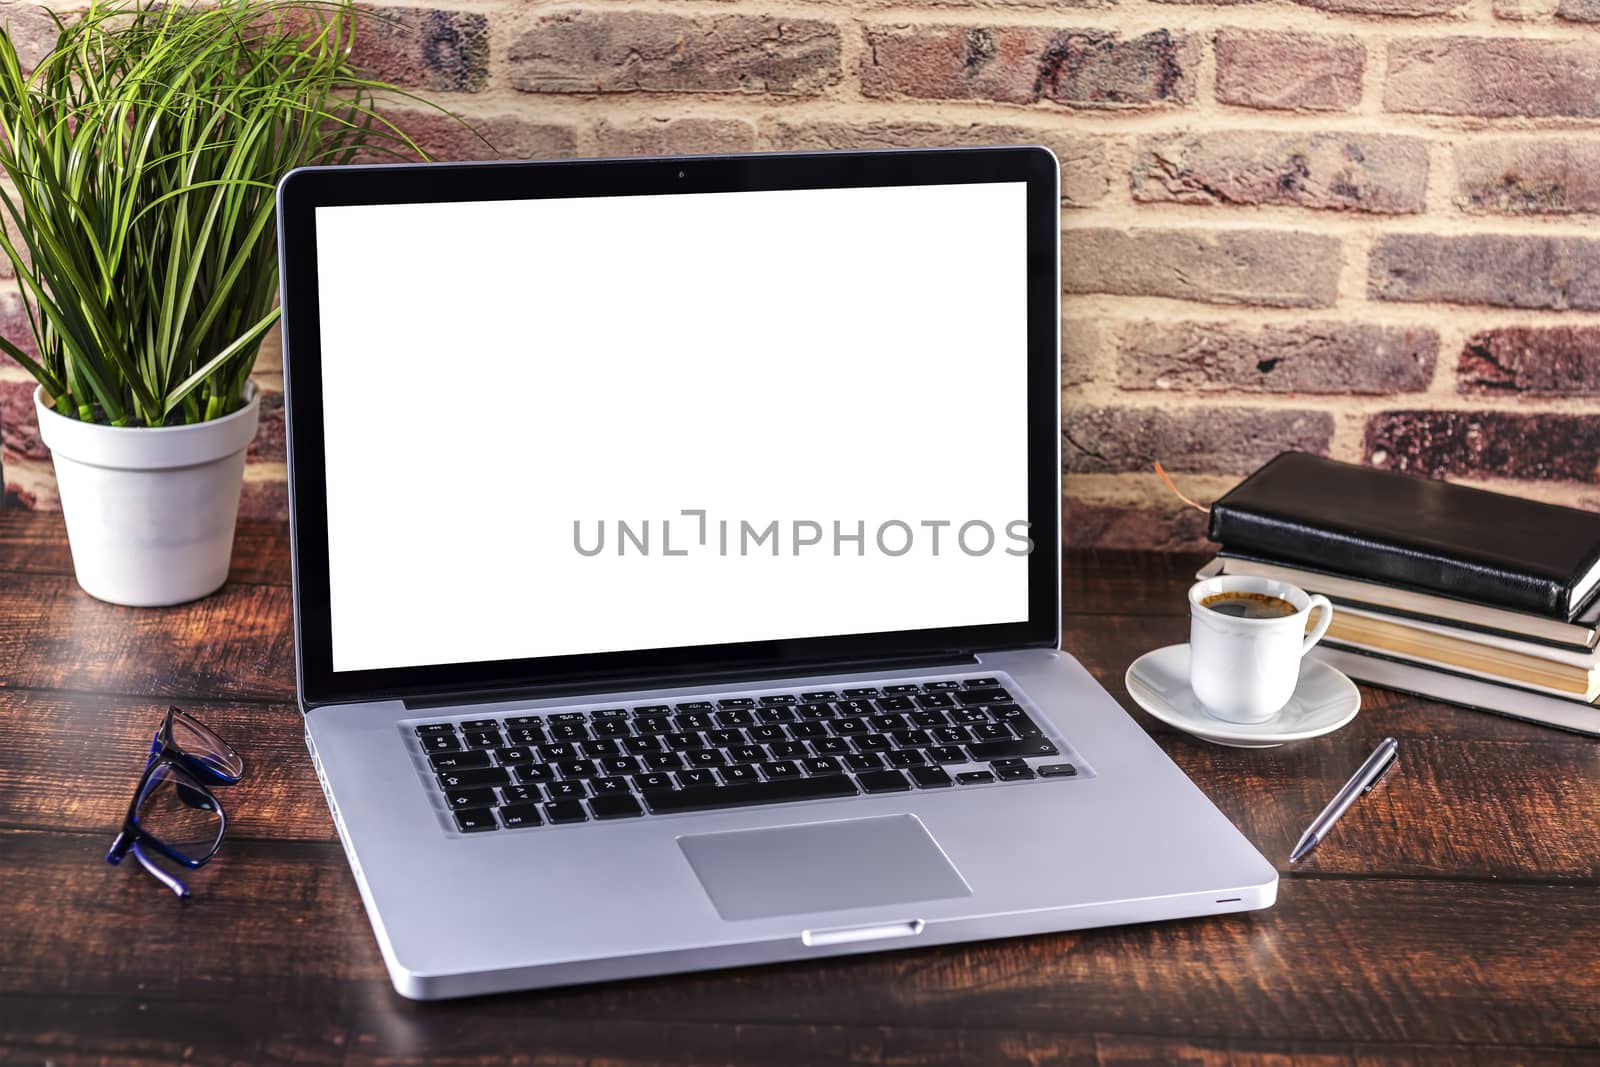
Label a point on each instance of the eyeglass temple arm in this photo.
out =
(160, 875)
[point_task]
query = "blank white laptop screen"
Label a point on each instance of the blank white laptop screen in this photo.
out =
(593, 425)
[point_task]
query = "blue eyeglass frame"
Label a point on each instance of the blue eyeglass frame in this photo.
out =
(164, 751)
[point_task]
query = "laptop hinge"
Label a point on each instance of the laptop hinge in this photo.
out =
(700, 678)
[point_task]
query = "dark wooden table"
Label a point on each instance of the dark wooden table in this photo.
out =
(1454, 917)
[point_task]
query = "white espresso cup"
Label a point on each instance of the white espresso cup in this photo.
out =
(1245, 669)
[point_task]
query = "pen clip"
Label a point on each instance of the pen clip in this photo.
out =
(1388, 765)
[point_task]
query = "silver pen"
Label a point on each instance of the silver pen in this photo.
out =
(1377, 765)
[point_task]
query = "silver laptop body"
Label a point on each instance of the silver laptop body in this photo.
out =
(1084, 821)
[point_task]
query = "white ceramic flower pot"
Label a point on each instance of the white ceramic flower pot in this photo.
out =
(150, 512)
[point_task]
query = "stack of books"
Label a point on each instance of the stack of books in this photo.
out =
(1457, 594)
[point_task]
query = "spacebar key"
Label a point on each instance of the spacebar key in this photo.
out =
(701, 797)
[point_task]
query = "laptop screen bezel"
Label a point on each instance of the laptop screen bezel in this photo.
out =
(303, 191)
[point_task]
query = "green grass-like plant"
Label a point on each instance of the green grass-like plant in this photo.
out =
(142, 155)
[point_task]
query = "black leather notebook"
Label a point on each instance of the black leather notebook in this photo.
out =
(1429, 535)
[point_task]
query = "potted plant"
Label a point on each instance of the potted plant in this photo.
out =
(143, 154)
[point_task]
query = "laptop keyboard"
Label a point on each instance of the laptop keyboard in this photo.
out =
(564, 767)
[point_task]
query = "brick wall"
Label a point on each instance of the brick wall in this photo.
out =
(1356, 227)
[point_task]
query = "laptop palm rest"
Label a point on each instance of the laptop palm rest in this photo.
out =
(823, 866)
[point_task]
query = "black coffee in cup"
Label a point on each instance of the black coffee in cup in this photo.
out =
(1243, 605)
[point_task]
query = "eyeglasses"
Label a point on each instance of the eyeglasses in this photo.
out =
(173, 813)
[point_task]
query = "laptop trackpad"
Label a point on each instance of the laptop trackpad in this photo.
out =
(822, 866)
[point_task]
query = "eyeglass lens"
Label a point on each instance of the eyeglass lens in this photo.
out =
(176, 809)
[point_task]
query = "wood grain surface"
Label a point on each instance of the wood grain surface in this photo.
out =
(1450, 919)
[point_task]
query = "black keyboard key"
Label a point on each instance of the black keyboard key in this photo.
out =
(475, 821)
(521, 794)
(695, 705)
(651, 709)
(617, 806)
(946, 754)
(528, 773)
(725, 738)
(737, 702)
(814, 712)
(951, 735)
(884, 782)
(520, 815)
(929, 719)
(728, 796)
(864, 761)
(855, 707)
(939, 687)
(524, 720)
(871, 743)
(788, 750)
(906, 757)
(984, 751)
(780, 698)
(731, 719)
(697, 777)
(474, 778)
(515, 754)
(662, 761)
(885, 723)
(900, 690)
(930, 777)
(567, 731)
(469, 798)
(800, 731)
(652, 724)
(705, 757)
(641, 745)
(740, 774)
(555, 753)
(618, 764)
(577, 768)
(642, 782)
(763, 734)
(820, 765)
(480, 724)
(992, 731)
(693, 721)
(441, 743)
(747, 754)
(608, 714)
(830, 746)
(605, 746)
(912, 738)
(821, 694)
(1013, 774)
(525, 735)
(861, 691)
(612, 728)
(436, 728)
(781, 769)
(895, 704)
(773, 716)
(934, 701)
(968, 716)
(983, 696)
(459, 761)
(566, 789)
(560, 811)
(607, 786)
(851, 725)
(1058, 770)
(974, 777)
(569, 718)
(981, 683)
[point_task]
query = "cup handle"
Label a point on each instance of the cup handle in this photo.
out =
(1317, 601)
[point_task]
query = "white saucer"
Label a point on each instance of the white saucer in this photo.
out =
(1323, 701)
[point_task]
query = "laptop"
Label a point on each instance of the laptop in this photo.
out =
(677, 568)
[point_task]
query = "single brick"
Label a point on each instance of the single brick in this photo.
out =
(1289, 71)
(1084, 175)
(1266, 267)
(1398, 8)
(1505, 270)
(1532, 361)
(423, 48)
(1494, 76)
(671, 137)
(1486, 444)
(1080, 341)
(1097, 440)
(1528, 176)
(19, 421)
(1312, 357)
(1579, 10)
(1026, 64)
(1094, 524)
(505, 136)
(268, 445)
(655, 52)
(1338, 171)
